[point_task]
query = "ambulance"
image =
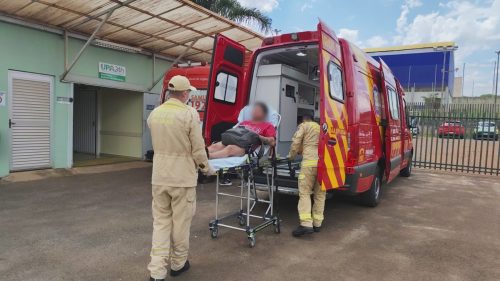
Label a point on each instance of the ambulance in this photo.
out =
(198, 74)
(359, 104)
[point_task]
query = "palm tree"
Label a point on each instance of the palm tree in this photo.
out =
(233, 10)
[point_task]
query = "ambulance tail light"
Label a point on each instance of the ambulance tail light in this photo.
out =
(351, 149)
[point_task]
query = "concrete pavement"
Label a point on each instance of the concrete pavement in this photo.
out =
(88, 226)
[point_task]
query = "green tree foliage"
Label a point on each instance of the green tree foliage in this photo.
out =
(233, 10)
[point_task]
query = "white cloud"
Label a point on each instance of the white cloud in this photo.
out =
(263, 5)
(351, 35)
(405, 10)
(475, 27)
(376, 41)
(472, 26)
(308, 4)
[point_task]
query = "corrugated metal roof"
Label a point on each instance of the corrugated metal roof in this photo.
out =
(411, 47)
(166, 27)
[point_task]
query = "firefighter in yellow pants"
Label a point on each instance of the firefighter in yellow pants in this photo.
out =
(305, 142)
(179, 151)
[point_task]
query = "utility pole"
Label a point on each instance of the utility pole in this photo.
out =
(463, 79)
(473, 88)
(496, 83)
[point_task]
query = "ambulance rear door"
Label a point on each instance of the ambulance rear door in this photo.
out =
(226, 94)
(333, 145)
(393, 132)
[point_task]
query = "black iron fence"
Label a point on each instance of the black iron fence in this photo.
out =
(457, 137)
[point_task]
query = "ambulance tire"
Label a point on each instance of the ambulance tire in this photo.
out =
(406, 172)
(371, 198)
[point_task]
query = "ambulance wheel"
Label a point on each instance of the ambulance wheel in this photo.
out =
(406, 172)
(371, 198)
(214, 232)
(251, 241)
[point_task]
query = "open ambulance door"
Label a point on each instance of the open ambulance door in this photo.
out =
(393, 133)
(226, 95)
(333, 145)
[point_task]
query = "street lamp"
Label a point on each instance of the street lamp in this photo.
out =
(445, 50)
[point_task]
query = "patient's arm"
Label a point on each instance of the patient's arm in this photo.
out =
(268, 140)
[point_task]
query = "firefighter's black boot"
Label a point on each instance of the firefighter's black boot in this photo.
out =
(185, 268)
(317, 228)
(302, 230)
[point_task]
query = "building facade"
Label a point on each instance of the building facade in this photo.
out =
(98, 109)
(424, 70)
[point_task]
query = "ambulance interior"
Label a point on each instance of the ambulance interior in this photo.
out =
(287, 80)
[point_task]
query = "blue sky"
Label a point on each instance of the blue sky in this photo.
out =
(473, 25)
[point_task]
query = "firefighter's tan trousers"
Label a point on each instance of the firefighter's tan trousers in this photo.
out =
(308, 185)
(173, 210)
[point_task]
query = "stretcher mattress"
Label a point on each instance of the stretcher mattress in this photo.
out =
(230, 162)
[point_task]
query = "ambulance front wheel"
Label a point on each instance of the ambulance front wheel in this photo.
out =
(371, 198)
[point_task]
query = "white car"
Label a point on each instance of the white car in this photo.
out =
(485, 130)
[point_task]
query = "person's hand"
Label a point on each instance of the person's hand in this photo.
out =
(210, 171)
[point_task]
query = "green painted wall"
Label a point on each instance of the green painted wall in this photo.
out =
(31, 50)
(121, 122)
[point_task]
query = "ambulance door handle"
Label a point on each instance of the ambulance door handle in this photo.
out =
(332, 142)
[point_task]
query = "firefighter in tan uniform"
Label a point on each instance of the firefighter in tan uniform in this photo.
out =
(305, 142)
(179, 152)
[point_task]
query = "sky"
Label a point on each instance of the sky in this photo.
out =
(473, 25)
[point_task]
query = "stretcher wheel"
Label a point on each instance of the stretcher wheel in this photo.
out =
(277, 226)
(251, 241)
(242, 220)
(214, 232)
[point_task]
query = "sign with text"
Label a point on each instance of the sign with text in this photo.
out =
(3, 97)
(112, 72)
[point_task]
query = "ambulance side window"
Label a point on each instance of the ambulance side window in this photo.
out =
(226, 87)
(335, 82)
(393, 103)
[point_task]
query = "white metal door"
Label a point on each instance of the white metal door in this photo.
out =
(288, 107)
(30, 120)
(85, 120)
(151, 101)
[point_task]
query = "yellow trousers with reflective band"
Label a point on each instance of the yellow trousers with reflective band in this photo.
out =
(173, 210)
(310, 214)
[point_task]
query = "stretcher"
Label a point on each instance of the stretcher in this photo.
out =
(257, 161)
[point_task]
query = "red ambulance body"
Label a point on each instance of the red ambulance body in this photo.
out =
(198, 76)
(359, 104)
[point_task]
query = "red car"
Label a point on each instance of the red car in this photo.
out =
(452, 129)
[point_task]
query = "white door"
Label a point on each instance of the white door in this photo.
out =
(85, 120)
(30, 120)
(288, 108)
(151, 101)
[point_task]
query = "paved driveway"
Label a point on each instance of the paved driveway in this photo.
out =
(98, 227)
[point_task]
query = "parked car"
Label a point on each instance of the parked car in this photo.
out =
(413, 125)
(485, 130)
(451, 129)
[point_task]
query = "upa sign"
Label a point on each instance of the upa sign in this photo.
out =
(112, 72)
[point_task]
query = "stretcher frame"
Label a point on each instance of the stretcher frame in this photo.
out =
(248, 199)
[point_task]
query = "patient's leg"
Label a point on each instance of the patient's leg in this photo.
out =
(217, 146)
(228, 151)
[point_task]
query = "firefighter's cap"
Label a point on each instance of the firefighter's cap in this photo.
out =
(180, 83)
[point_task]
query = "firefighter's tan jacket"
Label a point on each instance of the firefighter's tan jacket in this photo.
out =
(179, 149)
(305, 142)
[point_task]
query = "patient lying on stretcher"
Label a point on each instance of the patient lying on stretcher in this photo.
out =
(265, 131)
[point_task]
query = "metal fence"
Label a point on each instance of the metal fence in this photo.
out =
(457, 137)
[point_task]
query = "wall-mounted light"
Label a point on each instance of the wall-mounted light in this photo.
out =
(301, 54)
